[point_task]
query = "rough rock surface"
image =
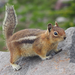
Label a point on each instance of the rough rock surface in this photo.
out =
(62, 63)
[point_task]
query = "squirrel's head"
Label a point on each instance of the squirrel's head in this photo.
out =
(55, 33)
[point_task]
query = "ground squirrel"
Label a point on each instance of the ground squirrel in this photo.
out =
(30, 42)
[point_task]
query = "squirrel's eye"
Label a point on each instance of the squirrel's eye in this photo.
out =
(55, 33)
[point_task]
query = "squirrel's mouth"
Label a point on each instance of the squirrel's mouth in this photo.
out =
(64, 38)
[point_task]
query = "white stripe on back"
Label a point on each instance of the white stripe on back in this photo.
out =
(27, 38)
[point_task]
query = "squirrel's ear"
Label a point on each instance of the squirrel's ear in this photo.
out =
(56, 24)
(49, 27)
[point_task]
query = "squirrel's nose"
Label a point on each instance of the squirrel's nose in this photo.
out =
(64, 38)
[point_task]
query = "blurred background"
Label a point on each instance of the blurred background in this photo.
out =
(38, 14)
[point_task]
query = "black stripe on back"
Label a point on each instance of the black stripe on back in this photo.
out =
(27, 41)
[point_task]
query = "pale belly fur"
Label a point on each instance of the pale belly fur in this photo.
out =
(26, 50)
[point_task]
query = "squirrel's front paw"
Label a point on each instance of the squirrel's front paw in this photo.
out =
(49, 57)
(16, 67)
(58, 51)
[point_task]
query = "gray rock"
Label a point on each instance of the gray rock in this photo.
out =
(69, 43)
(62, 63)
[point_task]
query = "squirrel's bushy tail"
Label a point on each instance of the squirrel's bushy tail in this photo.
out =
(10, 21)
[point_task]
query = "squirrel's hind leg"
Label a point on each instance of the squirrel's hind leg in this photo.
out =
(15, 54)
(13, 58)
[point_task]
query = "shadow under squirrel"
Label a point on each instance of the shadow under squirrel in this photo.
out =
(30, 42)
